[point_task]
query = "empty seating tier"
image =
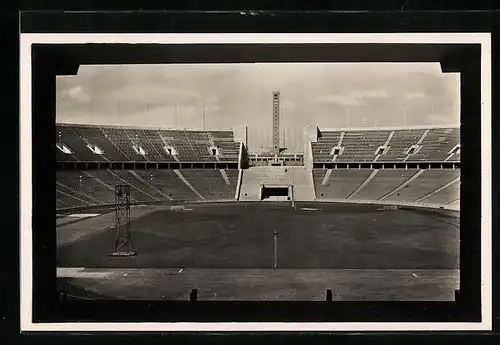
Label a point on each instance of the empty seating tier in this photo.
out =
(95, 136)
(427, 182)
(436, 187)
(447, 194)
(398, 145)
(384, 182)
(73, 140)
(322, 148)
(81, 185)
(361, 146)
(212, 184)
(340, 184)
(168, 183)
(86, 143)
(96, 187)
(437, 145)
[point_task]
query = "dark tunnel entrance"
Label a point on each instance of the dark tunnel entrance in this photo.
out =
(275, 193)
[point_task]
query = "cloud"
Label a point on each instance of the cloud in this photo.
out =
(210, 99)
(436, 119)
(354, 98)
(288, 104)
(415, 95)
(242, 94)
(77, 93)
(372, 94)
(342, 100)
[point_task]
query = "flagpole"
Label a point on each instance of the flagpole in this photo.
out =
(89, 111)
(119, 110)
(204, 116)
(175, 117)
(433, 114)
(405, 119)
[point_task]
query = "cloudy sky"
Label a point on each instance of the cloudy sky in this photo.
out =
(328, 95)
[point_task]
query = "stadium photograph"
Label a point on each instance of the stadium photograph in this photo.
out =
(258, 182)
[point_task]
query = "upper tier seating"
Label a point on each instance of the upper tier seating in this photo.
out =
(361, 146)
(322, 148)
(410, 145)
(95, 136)
(122, 144)
(399, 144)
(437, 145)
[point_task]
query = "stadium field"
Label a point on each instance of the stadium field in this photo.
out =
(314, 235)
(226, 251)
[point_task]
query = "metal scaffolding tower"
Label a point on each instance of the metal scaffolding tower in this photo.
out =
(123, 240)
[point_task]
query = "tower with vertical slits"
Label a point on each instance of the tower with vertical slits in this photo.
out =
(276, 122)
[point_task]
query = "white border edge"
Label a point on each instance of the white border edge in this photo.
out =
(486, 170)
(26, 40)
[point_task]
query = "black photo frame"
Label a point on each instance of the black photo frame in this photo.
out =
(49, 60)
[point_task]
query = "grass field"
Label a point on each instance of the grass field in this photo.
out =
(226, 251)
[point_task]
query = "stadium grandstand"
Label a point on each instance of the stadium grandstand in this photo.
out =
(437, 144)
(403, 166)
(85, 143)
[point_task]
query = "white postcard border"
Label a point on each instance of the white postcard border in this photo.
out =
(25, 164)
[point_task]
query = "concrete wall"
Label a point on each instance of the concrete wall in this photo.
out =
(240, 134)
(310, 135)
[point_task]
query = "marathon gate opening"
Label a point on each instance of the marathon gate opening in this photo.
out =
(276, 193)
